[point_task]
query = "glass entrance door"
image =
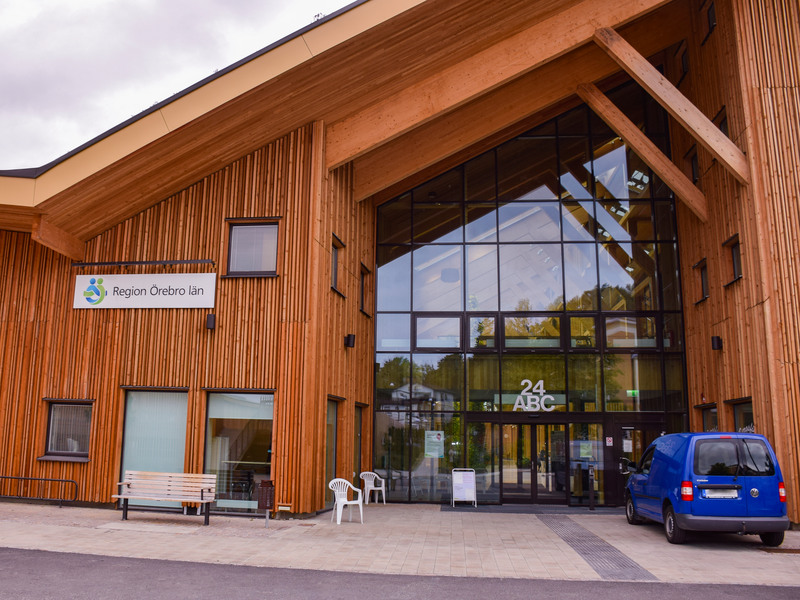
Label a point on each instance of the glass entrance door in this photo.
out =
(534, 464)
(630, 442)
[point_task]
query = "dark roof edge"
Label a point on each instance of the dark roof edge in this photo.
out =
(33, 172)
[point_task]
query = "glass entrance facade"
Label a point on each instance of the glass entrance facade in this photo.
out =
(526, 301)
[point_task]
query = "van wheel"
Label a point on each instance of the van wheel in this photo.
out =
(675, 535)
(772, 538)
(630, 512)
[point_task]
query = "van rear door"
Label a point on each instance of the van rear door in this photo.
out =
(717, 478)
(760, 478)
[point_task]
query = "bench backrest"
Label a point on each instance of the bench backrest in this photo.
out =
(168, 485)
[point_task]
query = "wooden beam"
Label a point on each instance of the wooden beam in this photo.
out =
(486, 70)
(667, 95)
(17, 218)
(447, 141)
(647, 150)
(57, 239)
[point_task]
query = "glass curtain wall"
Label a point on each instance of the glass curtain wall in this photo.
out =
(541, 276)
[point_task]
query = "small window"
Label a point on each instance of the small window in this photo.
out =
(336, 246)
(694, 166)
(335, 267)
(363, 289)
(723, 126)
(701, 268)
(68, 427)
(711, 15)
(711, 22)
(709, 414)
(743, 420)
(721, 121)
(684, 63)
(253, 250)
(736, 260)
(736, 257)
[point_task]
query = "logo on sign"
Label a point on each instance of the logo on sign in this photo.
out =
(534, 398)
(95, 293)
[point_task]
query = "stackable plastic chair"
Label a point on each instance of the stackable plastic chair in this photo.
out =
(373, 483)
(341, 489)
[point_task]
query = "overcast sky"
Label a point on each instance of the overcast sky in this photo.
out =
(72, 69)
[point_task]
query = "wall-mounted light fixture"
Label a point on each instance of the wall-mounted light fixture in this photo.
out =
(350, 340)
(716, 342)
(211, 321)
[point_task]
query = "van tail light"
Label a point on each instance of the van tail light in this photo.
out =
(687, 492)
(782, 491)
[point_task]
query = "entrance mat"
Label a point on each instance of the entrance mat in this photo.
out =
(605, 559)
(535, 509)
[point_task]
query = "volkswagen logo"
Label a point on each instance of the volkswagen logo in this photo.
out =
(754, 492)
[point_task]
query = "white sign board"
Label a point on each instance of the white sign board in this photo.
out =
(434, 444)
(178, 290)
(464, 486)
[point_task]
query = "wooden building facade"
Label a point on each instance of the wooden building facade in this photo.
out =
(305, 142)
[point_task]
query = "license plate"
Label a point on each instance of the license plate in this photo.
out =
(723, 493)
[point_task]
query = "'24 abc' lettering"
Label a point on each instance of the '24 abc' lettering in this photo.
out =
(534, 398)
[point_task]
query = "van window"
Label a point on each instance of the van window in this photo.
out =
(733, 457)
(647, 461)
(716, 457)
(756, 459)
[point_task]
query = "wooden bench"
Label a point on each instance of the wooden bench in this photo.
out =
(197, 488)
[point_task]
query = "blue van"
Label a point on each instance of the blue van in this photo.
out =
(709, 482)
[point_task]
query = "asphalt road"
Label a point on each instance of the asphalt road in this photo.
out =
(44, 575)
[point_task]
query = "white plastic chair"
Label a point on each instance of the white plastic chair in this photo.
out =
(340, 489)
(373, 483)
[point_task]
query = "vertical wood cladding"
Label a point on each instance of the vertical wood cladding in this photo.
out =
(283, 333)
(746, 71)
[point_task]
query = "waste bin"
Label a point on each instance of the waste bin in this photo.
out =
(266, 497)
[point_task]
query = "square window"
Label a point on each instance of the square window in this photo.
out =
(68, 428)
(532, 332)
(438, 332)
(253, 249)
